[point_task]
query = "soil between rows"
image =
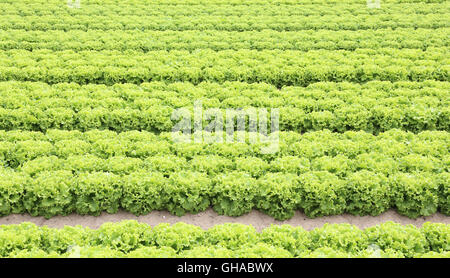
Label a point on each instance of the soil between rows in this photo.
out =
(209, 218)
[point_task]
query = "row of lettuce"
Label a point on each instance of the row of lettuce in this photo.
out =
(276, 67)
(227, 95)
(159, 107)
(345, 91)
(105, 17)
(234, 193)
(256, 92)
(320, 173)
(219, 3)
(425, 151)
(133, 239)
(340, 165)
(161, 118)
(252, 8)
(150, 40)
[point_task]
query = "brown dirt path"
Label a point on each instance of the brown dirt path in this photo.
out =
(209, 218)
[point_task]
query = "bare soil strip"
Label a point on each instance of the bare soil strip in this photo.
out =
(209, 218)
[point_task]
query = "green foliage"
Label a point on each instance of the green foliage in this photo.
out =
(154, 252)
(290, 164)
(137, 240)
(407, 240)
(293, 239)
(143, 192)
(86, 103)
(367, 193)
(12, 187)
(234, 193)
(344, 237)
(321, 193)
(125, 236)
(231, 235)
(438, 236)
(208, 252)
(277, 195)
(320, 173)
(374, 107)
(211, 164)
(97, 192)
(121, 40)
(360, 65)
(50, 194)
(414, 194)
(443, 181)
(187, 192)
(179, 236)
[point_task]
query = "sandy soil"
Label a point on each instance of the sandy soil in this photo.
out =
(209, 218)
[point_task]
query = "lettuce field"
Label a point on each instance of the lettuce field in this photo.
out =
(94, 92)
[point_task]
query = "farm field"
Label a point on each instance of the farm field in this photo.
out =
(93, 94)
